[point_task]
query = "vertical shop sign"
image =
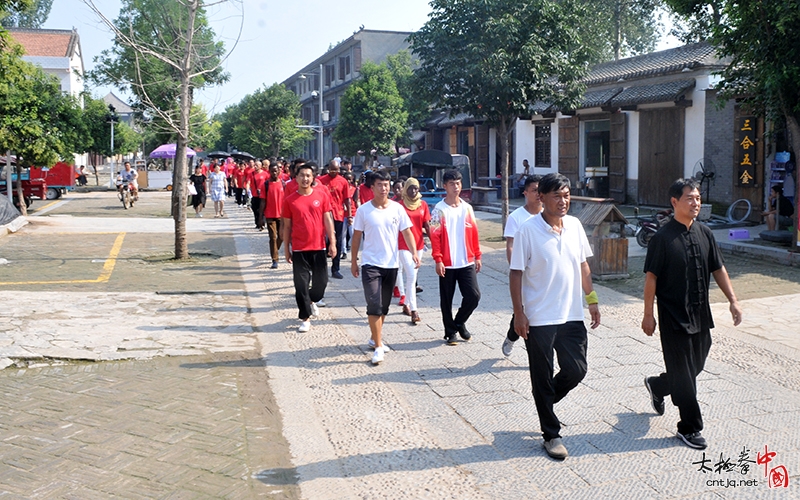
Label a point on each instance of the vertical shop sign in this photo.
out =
(746, 150)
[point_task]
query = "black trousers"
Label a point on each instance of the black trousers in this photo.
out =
(338, 229)
(310, 272)
(569, 342)
(684, 357)
(467, 281)
(239, 193)
(511, 334)
(257, 204)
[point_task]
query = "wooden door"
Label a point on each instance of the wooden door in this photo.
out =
(617, 161)
(568, 148)
(660, 154)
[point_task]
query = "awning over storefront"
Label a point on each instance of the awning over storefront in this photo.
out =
(646, 94)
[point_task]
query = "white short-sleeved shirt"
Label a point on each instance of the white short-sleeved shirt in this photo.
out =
(380, 228)
(515, 220)
(551, 263)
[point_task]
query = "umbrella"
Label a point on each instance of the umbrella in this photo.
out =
(168, 151)
(241, 155)
(218, 154)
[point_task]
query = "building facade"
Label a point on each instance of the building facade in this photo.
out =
(57, 52)
(643, 122)
(330, 75)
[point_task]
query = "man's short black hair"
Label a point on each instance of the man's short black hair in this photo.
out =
(677, 187)
(346, 162)
(531, 179)
(381, 175)
(309, 166)
(367, 176)
(451, 175)
(553, 182)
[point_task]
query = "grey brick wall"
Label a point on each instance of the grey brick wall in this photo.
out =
(719, 138)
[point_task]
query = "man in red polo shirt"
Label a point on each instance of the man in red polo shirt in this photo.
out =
(259, 189)
(307, 219)
(272, 211)
(340, 200)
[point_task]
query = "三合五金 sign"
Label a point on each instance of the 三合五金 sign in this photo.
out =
(746, 150)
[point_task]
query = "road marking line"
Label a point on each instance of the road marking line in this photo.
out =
(105, 274)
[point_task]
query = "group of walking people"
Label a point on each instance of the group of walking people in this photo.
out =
(382, 226)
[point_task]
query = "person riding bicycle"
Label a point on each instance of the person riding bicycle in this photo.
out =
(130, 176)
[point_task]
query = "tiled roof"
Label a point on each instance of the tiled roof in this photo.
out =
(691, 56)
(47, 43)
(120, 106)
(661, 92)
(597, 98)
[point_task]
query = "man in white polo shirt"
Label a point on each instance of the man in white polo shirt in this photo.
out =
(531, 208)
(548, 281)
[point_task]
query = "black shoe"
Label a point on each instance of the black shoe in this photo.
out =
(344, 256)
(450, 339)
(419, 289)
(337, 275)
(656, 401)
(462, 330)
(693, 440)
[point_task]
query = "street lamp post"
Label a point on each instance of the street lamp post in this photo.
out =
(112, 118)
(322, 116)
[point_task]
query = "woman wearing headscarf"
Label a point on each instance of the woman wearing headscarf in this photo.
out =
(420, 216)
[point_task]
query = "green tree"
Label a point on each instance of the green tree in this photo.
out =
(695, 20)
(164, 50)
(205, 130)
(373, 114)
(38, 122)
(493, 59)
(621, 27)
(264, 123)
(33, 14)
(96, 117)
(402, 68)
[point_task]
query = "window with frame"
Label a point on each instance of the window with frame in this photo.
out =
(316, 114)
(344, 67)
(330, 74)
(542, 146)
(330, 107)
(462, 145)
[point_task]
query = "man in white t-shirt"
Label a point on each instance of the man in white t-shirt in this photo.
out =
(376, 225)
(532, 207)
(549, 279)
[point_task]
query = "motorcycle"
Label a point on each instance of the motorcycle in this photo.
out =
(125, 193)
(648, 226)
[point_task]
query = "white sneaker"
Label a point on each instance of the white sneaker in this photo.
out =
(305, 326)
(321, 303)
(314, 309)
(377, 356)
(371, 344)
(507, 346)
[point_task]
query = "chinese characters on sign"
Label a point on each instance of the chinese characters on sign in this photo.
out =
(746, 150)
(777, 476)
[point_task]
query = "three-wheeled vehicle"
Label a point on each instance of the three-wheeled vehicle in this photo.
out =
(428, 167)
(31, 188)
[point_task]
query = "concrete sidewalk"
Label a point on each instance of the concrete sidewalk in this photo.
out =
(432, 421)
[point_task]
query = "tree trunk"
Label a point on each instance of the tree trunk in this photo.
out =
(794, 131)
(20, 194)
(179, 173)
(504, 129)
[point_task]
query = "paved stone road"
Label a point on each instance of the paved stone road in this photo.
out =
(432, 421)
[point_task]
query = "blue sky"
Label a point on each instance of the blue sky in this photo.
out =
(278, 37)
